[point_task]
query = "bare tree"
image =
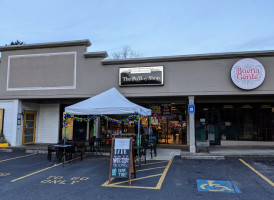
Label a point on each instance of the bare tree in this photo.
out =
(125, 53)
(17, 42)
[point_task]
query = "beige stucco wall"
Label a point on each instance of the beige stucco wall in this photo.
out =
(182, 78)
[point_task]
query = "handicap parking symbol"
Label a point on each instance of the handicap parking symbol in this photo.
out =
(216, 186)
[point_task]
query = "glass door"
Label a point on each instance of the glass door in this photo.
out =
(213, 121)
(29, 127)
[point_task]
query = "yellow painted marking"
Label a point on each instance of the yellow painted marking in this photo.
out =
(60, 180)
(136, 179)
(258, 173)
(137, 187)
(41, 170)
(159, 185)
(17, 157)
(35, 172)
(211, 184)
(4, 174)
(150, 169)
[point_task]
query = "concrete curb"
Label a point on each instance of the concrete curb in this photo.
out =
(6, 150)
(222, 157)
(97, 154)
(37, 151)
(201, 157)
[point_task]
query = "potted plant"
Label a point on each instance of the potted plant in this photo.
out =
(3, 141)
(223, 137)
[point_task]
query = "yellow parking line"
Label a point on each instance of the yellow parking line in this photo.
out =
(17, 157)
(137, 187)
(35, 172)
(136, 179)
(258, 173)
(42, 170)
(150, 169)
(159, 185)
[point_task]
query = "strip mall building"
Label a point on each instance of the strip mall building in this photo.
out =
(225, 98)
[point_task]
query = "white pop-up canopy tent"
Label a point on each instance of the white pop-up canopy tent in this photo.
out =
(109, 102)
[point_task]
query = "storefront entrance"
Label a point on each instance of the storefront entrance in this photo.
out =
(168, 123)
(29, 127)
(243, 122)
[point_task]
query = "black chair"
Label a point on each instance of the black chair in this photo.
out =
(144, 143)
(97, 146)
(141, 148)
(69, 151)
(89, 144)
(80, 147)
(152, 145)
(94, 145)
(52, 149)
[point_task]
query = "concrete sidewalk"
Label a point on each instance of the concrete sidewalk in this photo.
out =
(166, 153)
(243, 150)
(34, 148)
(220, 152)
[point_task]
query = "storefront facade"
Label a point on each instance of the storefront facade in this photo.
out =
(37, 81)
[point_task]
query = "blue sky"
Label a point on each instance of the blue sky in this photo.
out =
(149, 27)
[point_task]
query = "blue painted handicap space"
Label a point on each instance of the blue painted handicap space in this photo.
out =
(216, 186)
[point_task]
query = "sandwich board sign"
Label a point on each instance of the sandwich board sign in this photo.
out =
(121, 159)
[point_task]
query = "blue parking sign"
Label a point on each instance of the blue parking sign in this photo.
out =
(191, 108)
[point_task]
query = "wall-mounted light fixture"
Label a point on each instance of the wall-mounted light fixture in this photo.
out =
(19, 118)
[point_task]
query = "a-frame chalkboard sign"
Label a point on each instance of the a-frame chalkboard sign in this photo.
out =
(121, 159)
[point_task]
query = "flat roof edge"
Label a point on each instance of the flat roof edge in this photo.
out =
(85, 42)
(189, 57)
(99, 54)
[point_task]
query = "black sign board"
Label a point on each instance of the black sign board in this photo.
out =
(139, 76)
(159, 110)
(121, 159)
(166, 110)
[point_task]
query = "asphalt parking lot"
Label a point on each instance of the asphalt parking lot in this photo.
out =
(31, 176)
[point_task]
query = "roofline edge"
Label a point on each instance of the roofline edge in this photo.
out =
(85, 42)
(99, 54)
(189, 57)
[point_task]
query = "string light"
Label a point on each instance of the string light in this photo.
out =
(67, 116)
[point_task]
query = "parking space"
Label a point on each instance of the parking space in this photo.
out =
(149, 176)
(36, 178)
(6, 156)
(243, 183)
(263, 167)
(18, 165)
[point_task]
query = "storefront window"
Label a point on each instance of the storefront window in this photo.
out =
(244, 122)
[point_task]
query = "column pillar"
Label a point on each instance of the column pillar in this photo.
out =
(87, 135)
(191, 127)
(97, 130)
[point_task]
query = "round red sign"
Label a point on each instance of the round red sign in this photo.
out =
(248, 74)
